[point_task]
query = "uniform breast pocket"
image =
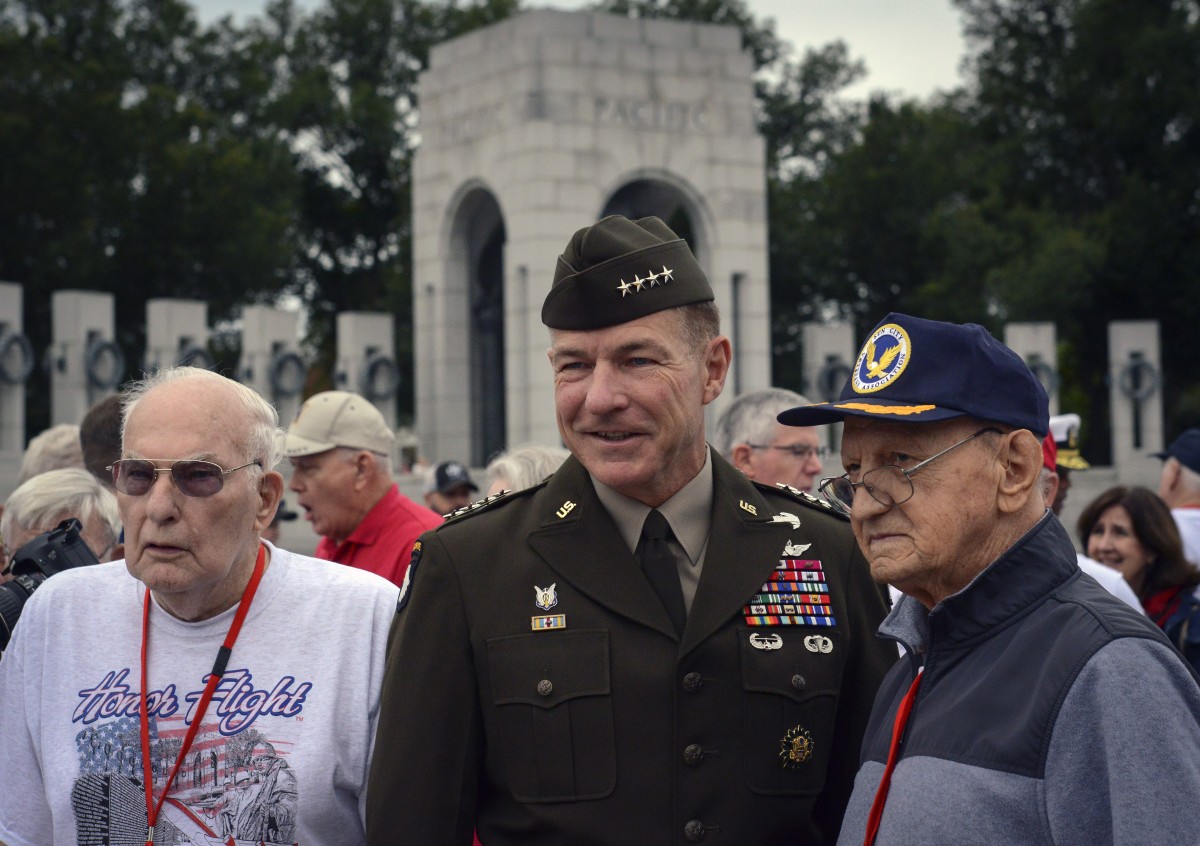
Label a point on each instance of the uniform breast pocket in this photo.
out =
(551, 692)
(790, 684)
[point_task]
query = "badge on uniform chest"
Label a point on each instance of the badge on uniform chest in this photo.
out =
(545, 599)
(796, 594)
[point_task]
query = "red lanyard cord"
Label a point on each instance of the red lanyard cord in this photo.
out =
(906, 704)
(214, 677)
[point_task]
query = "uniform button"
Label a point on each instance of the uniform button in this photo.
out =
(798, 682)
(693, 754)
(692, 682)
(694, 831)
(545, 688)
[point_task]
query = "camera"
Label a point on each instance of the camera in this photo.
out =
(51, 552)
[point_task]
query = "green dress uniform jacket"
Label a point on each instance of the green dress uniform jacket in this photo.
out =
(602, 726)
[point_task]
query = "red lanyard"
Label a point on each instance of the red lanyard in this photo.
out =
(876, 815)
(214, 677)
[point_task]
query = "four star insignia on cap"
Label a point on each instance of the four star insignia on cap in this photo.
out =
(640, 283)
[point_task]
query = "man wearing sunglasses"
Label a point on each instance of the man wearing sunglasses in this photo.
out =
(1032, 706)
(133, 691)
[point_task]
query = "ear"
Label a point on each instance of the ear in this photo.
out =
(740, 458)
(364, 463)
(717, 355)
(270, 491)
(1020, 460)
(1171, 471)
(1052, 489)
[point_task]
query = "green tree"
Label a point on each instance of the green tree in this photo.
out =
(124, 173)
(348, 105)
(1092, 109)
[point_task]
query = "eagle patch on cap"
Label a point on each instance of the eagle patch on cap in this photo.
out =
(883, 358)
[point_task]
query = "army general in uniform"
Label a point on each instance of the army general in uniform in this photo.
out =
(647, 648)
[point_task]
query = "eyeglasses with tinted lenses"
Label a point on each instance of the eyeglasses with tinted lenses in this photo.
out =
(802, 451)
(888, 485)
(136, 476)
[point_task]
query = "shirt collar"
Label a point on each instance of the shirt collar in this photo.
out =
(688, 511)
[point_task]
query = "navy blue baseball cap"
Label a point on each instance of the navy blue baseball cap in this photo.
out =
(1185, 449)
(918, 371)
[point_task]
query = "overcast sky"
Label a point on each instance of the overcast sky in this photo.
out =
(912, 47)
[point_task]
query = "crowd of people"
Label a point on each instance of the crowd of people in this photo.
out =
(649, 634)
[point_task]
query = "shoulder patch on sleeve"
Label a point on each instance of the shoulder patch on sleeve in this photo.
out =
(406, 585)
(804, 498)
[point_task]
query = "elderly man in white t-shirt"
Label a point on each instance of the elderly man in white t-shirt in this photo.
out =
(183, 659)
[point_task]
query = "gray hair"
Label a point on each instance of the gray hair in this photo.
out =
(383, 461)
(50, 495)
(525, 466)
(261, 442)
(54, 449)
(1044, 484)
(750, 418)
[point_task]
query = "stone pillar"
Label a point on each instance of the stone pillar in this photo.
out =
(829, 351)
(540, 125)
(16, 363)
(1036, 343)
(366, 360)
(176, 333)
(271, 362)
(86, 365)
(1135, 400)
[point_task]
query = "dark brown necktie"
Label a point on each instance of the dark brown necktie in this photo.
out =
(658, 564)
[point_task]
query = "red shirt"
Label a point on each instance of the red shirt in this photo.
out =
(382, 543)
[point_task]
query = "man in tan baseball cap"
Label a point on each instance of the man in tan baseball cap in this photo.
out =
(341, 452)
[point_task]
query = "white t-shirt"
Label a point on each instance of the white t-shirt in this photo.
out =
(304, 677)
(1111, 580)
(1188, 521)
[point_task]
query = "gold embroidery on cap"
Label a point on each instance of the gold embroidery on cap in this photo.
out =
(899, 410)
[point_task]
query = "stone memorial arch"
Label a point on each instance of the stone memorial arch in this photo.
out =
(540, 125)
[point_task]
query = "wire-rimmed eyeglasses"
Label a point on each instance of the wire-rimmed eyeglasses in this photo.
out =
(136, 476)
(888, 484)
(801, 451)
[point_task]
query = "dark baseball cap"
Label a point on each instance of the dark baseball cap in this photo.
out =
(617, 270)
(916, 370)
(447, 476)
(1185, 449)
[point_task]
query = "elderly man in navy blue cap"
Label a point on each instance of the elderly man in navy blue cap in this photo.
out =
(1032, 707)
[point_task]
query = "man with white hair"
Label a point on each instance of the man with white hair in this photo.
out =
(1179, 488)
(53, 449)
(753, 441)
(44, 501)
(203, 642)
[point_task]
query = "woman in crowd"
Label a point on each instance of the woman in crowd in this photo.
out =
(1131, 530)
